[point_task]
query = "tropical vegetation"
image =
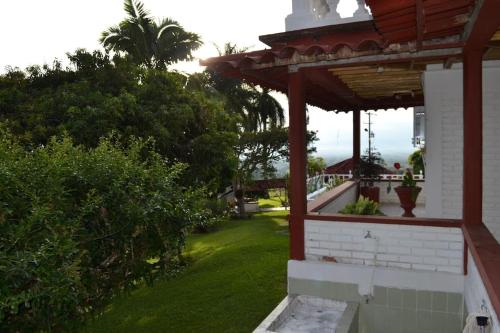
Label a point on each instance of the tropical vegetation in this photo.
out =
(108, 163)
(78, 226)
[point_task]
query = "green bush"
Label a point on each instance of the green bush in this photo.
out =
(363, 206)
(214, 211)
(78, 226)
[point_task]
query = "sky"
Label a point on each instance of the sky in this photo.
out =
(36, 32)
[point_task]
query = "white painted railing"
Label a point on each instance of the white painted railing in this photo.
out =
(318, 183)
(316, 13)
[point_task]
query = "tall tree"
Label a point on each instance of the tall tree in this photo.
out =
(155, 44)
(263, 139)
(268, 112)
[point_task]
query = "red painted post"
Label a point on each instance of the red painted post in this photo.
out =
(298, 160)
(473, 137)
(356, 139)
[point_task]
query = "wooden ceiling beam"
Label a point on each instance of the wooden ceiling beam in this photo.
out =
(334, 85)
(482, 26)
(420, 17)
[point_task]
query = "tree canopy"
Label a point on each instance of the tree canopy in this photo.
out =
(150, 42)
(97, 95)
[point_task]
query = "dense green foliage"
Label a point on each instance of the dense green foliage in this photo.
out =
(416, 160)
(77, 226)
(97, 95)
(237, 277)
(147, 42)
(315, 165)
(363, 206)
(98, 169)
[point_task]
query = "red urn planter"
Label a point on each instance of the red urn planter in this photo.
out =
(408, 198)
(370, 192)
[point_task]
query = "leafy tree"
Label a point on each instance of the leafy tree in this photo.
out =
(416, 160)
(155, 44)
(372, 164)
(79, 225)
(98, 95)
(315, 165)
(263, 140)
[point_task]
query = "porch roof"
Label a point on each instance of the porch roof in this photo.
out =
(363, 65)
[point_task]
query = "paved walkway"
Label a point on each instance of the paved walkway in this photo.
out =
(273, 209)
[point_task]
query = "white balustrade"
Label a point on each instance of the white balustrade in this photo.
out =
(316, 13)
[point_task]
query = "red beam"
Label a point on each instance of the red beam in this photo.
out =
(298, 160)
(473, 138)
(429, 222)
(485, 20)
(419, 9)
(485, 252)
(356, 139)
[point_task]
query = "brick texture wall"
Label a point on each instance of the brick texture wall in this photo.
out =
(491, 149)
(444, 142)
(400, 246)
(444, 157)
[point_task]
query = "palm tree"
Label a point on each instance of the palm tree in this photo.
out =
(268, 112)
(258, 109)
(155, 44)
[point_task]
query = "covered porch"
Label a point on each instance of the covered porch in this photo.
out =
(395, 61)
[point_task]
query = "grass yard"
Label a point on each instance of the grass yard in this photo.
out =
(276, 198)
(237, 277)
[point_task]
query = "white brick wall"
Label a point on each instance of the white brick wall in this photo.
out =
(444, 157)
(475, 293)
(401, 246)
(444, 142)
(491, 148)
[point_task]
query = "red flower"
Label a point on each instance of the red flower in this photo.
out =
(397, 166)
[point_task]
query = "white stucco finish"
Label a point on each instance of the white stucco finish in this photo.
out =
(382, 276)
(443, 91)
(347, 197)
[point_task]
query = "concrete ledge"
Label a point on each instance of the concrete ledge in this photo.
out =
(382, 276)
(329, 196)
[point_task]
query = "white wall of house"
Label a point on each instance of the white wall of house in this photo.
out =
(417, 248)
(444, 142)
(491, 148)
(347, 197)
(475, 294)
(443, 90)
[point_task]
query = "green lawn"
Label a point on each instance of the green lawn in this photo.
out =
(238, 276)
(276, 197)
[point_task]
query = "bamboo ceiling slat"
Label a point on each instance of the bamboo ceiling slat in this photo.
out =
(496, 36)
(382, 81)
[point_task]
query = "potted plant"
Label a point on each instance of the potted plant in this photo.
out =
(408, 192)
